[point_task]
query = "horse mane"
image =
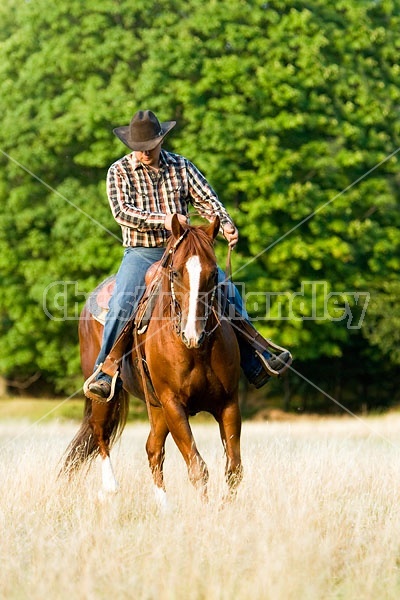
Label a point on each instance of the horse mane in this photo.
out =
(196, 241)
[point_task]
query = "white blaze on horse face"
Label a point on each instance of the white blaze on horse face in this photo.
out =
(193, 267)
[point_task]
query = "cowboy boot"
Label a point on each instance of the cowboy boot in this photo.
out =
(261, 359)
(102, 385)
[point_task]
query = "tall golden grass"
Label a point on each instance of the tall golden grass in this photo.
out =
(317, 517)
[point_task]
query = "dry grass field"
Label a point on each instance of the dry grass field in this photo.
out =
(317, 517)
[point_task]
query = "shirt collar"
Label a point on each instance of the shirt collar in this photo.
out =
(166, 158)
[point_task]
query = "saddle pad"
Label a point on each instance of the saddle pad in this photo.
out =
(99, 299)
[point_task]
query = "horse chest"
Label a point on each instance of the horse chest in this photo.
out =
(194, 383)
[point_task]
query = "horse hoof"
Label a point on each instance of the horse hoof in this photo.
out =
(161, 499)
(105, 495)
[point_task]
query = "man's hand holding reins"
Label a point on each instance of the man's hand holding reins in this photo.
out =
(231, 234)
(181, 218)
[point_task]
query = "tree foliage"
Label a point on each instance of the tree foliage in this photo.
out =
(290, 108)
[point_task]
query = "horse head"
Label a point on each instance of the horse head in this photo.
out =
(193, 278)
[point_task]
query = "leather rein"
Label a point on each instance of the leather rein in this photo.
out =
(167, 262)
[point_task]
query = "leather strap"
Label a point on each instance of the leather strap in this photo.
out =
(144, 377)
(115, 356)
(247, 331)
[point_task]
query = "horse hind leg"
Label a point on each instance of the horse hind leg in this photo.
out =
(107, 421)
(102, 424)
(91, 441)
(155, 448)
(98, 422)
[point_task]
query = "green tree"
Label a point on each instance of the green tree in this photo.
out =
(61, 94)
(287, 107)
(291, 108)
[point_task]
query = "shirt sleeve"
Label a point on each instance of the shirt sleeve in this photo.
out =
(203, 198)
(120, 196)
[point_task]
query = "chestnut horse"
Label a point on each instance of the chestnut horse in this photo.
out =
(192, 361)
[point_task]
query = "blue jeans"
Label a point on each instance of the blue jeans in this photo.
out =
(129, 288)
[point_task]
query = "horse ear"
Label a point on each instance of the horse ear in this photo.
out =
(213, 228)
(176, 227)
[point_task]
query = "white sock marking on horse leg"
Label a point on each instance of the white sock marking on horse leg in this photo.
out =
(194, 269)
(161, 498)
(107, 476)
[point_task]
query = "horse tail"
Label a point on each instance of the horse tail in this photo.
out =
(84, 447)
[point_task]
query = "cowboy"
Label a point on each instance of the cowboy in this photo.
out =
(145, 188)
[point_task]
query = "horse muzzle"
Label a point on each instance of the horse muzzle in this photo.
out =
(193, 341)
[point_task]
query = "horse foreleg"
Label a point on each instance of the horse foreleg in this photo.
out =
(98, 421)
(155, 448)
(230, 424)
(178, 424)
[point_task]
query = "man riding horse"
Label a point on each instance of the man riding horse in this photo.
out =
(145, 189)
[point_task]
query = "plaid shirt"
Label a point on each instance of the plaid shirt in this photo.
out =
(140, 198)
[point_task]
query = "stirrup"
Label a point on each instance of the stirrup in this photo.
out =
(269, 369)
(90, 379)
(275, 347)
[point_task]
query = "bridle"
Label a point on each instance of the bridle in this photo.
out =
(176, 312)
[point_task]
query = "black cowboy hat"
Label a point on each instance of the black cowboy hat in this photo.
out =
(144, 132)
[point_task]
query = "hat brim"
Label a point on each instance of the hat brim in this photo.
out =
(123, 134)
